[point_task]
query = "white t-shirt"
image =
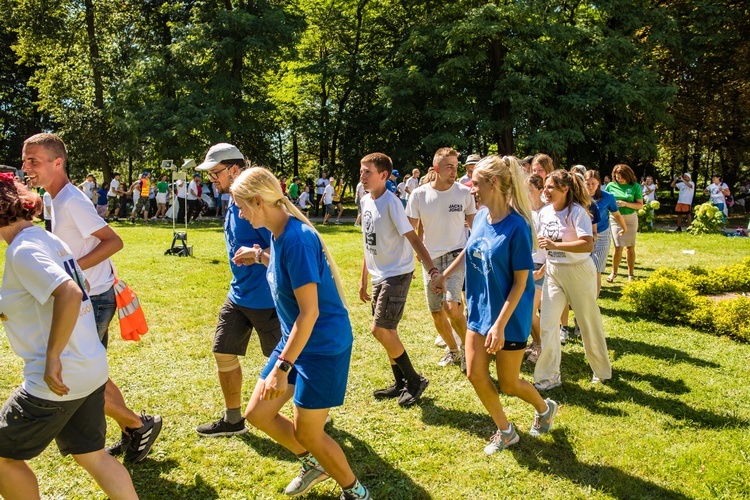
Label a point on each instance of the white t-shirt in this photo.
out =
(192, 188)
(74, 220)
(714, 191)
(648, 197)
(443, 215)
(47, 200)
(553, 225)
(303, 200)
(36, 263)
(87, 186)
(114, 185)
(401, 190)
(360, 192)
(412, 184)
(686, 193)
(539, 256)
(384, 223)
(328, 195)
(320, 185)
(179, 188)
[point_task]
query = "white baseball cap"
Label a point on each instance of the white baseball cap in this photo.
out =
(219, 153)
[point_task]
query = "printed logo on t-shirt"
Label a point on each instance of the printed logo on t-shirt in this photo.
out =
(480, 254)
(455, 207)
(553, 230)
(370, 237)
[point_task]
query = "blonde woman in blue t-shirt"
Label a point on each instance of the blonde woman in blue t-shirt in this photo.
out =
(500, 295)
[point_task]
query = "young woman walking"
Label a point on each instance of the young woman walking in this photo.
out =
(500, 295)
(629, 198)
(565, 232)
(311, 363)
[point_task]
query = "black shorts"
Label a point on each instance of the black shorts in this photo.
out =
(389, 299)
(514, 345)
(28, 425)
(236, 325)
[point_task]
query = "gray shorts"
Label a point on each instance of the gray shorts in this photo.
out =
(28, 425)
(236, 325)
(453, 285)
(389, 299)
(328, 209)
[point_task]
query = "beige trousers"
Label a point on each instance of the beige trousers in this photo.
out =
(573, 284)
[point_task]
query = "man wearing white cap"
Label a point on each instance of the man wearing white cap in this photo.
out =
(249, 303)
(684, 199)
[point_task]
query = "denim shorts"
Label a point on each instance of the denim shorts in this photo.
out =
(105, 307)
(453, 285)
(538, 284)
(319, 380)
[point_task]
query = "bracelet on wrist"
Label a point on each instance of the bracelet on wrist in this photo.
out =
(433, 271)
(258, 257)
(284, 360)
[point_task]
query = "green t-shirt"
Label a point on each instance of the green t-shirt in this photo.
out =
(162, 187)
(294, 191)
(629, 193)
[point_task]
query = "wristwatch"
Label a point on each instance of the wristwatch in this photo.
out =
(283, 365)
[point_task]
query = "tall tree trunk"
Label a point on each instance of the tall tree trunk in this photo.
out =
(96, 73)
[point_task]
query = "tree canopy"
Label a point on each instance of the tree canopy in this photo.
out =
(307, 84)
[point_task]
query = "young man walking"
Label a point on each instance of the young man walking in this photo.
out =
(249, 303)
(444, 207)
(388, 241)
(93, 242)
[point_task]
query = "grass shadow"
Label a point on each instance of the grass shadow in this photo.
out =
(557, 458)
(478, 424)
(149, 476)
(622, 388)
(653, 351)
(266, 446)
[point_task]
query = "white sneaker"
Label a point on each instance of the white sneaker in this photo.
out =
(546, 385)
(439, 342)
(462, 353)
(450, 358)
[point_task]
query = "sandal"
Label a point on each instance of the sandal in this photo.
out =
(631, 278)
(611, 278)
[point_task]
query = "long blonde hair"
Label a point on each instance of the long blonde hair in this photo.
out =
(259, 181)
(510, 182)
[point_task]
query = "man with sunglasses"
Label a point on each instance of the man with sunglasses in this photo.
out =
(248, 305)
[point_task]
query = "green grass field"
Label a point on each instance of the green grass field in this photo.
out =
(673, 423)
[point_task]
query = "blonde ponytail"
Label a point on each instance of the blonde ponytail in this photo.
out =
(259, 181)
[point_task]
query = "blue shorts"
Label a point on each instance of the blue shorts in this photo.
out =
(319, 381)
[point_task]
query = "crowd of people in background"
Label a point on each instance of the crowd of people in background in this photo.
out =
(506, 252)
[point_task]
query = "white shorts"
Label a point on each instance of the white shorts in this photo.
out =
(161, 198)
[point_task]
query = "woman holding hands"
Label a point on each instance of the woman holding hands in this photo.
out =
(500, 295)
(311, 363)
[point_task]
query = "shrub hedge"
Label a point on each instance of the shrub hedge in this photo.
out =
(680, 296)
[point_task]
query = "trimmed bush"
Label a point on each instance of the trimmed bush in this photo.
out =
(661, 297)
(679, 296)
(732, 317)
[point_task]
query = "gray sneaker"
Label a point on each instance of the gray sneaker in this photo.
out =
(306, 479)
(543, 423)
(501, 440)
(450, 358)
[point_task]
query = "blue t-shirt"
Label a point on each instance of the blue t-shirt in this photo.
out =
(606, 204)
(102, 196)
(297, 259)
(493, 253)
(249, 287)
(595, 217)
